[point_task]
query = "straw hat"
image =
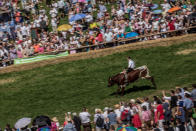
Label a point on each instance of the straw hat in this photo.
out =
(74, 114)
(106, 109)
(54, 119)
(117, 106)
(132, 101)
(98, 111)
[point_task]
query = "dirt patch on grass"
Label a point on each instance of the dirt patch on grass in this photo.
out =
(186, 52)
(103, 52)
(5, 81)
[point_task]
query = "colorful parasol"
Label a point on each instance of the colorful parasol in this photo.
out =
(77, 17)
(64, 27)
(126, 128)
(131, 34)
(174, 9)
(93, 25)
(154, 6)
(157, 11)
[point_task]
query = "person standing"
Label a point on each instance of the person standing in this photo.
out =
(99, 120)
(85, 119)
(77, 122)
(112, 118)
(69, 126)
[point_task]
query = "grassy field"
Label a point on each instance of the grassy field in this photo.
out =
(56, 89)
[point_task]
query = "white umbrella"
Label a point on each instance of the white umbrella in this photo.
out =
(23, 122)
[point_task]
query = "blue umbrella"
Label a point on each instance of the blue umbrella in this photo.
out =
(131, 34)
(77, 17)
(157, 11)
(154, 6)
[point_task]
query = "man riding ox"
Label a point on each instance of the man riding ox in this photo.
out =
(131, 66)
(130, 75)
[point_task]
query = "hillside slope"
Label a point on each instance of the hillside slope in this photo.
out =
(68, 86)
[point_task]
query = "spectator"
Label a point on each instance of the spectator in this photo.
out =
(69, 126)
(159, 115)
(77, 122)
(112, 118)
(85, 119)
(55, 124)
(193, 94)
(99, 119)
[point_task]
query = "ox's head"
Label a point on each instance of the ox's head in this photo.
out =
(110, 82)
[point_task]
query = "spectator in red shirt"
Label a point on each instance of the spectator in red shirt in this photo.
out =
(159, 114)
(171, 25)
(136, 120)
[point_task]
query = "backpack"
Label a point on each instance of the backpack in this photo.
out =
(99, 121)
(125, 116)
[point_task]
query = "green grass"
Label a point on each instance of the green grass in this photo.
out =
(56, 89)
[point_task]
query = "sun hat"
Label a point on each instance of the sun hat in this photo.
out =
(54, 119)
(132, 101)
(98, 111)
(74, 114)
(106, 109)
(117, 106)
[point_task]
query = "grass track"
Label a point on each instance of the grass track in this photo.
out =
(55, 89)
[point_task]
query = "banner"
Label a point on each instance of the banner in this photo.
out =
(38, 58)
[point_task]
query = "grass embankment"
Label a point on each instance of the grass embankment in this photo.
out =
(55, 89)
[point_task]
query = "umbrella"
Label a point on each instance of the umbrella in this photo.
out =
(157, 11)
(126, 128)
(77, 17)
(93, 25)
(42, 121)
(46, 128)
(154, 6)
(23, 122)
(174, 9)
(131, 34)
(64, 27)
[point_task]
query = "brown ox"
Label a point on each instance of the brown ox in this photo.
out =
(119, 79)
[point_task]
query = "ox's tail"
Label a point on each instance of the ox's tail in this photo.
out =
(143, 69)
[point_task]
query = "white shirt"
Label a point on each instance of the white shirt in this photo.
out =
(118, 113)
(37, 22)
(89, 18)
(131, 64)
(23, 30)
(85, 117)
(145, 104)
(53, 22)
(108, 36)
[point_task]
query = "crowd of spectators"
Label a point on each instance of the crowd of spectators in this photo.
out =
(174, 111)
(30, 26)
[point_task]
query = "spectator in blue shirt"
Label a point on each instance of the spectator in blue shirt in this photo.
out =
(112, 118)
(188, 103)
(69, 126)
(193, 92)
(180, 91)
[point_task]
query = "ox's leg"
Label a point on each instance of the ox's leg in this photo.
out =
(123, 90)
(118, 90)
(151, 78)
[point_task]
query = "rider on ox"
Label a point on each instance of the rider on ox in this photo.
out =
(131, 66)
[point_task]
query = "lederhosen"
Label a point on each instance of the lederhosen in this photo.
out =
(129, 70)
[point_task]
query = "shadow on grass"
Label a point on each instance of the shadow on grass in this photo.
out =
(134, 89)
